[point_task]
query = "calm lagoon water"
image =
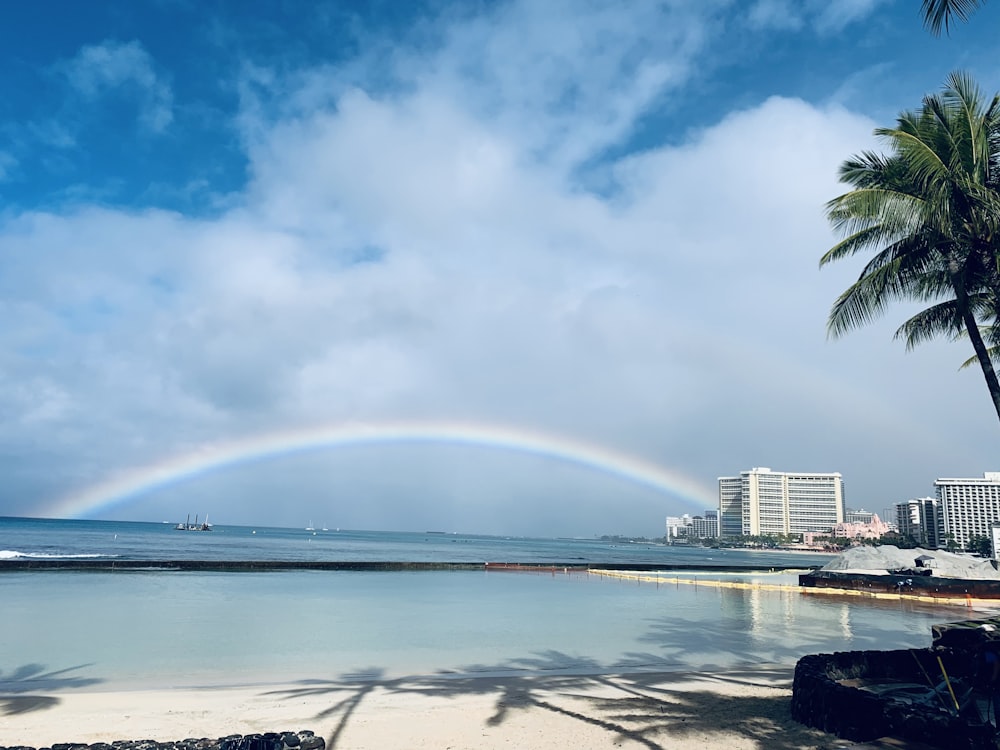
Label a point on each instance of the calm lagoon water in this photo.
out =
(121, 629)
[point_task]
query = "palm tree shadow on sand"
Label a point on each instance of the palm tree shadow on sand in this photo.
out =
(651, 708)
(21, 690)
(697, 679)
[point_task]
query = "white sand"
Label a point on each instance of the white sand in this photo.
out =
(732, 709)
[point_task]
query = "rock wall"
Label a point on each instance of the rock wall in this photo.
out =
(304, 740)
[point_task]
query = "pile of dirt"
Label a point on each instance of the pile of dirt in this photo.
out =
(881, 560)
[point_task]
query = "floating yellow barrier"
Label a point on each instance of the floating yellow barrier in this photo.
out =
(643, 578)
(965, 601)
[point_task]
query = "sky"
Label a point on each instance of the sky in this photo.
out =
(493, 267)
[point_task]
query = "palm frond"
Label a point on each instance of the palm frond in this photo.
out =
(993, 352)
(927, 165)
(941, 319)
(862, 209)
(938, 14)
(866, 300)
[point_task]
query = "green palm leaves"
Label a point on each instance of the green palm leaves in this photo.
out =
(938, 14)
(930, 210)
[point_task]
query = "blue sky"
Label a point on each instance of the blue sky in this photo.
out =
(141, 106)
(221, 220)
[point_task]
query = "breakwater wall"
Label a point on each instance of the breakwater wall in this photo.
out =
(237, 566)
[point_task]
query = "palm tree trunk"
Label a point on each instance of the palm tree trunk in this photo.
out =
(972, 328)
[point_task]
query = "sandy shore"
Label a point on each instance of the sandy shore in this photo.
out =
(728, 709)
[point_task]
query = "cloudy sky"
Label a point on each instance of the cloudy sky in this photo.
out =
(575, 221)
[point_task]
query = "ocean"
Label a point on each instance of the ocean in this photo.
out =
(159, 628)
(48, 538)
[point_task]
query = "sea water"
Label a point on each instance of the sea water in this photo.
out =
(161, 628)
(46, 538)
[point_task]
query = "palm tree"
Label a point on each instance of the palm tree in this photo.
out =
(939, 13)
(930, 209)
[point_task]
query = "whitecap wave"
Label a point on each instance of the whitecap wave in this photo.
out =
(13, 554)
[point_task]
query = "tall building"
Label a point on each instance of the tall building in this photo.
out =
(677, 526)
(707, 526)
(967, 507)
(730, 506)
(695, 527)
(889, 516)
(761, 501)
(918, 519)
(858, 516)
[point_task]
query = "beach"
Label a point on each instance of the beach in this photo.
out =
(741, 709)
(414, 659)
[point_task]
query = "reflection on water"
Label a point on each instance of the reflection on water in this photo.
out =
(845, 622)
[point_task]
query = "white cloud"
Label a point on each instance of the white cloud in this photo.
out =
(425, 253)
(823, 16)
(8, 162)
(115, 66)
(785, 15)
(835, 15)
(570, 80)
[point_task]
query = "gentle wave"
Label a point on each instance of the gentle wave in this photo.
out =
(13, 554)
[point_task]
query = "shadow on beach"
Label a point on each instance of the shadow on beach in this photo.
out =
(21, 689)
(652, 709)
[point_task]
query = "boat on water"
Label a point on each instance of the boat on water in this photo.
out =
(188, 526)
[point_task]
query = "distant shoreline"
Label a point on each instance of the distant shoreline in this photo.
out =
(796, 550)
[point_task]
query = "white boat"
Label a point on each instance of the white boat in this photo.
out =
(310, 527)
(188, 526)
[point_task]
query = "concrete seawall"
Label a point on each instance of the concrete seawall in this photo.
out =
(236, 566)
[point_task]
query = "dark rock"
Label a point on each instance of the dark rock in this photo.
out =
(252, 743)
(304, 740)
(821, 699)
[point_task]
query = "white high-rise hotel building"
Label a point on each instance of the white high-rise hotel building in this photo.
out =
(918, 519)
(967, 507)
(761, 501)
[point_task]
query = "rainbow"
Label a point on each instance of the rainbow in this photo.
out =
(132, 484)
